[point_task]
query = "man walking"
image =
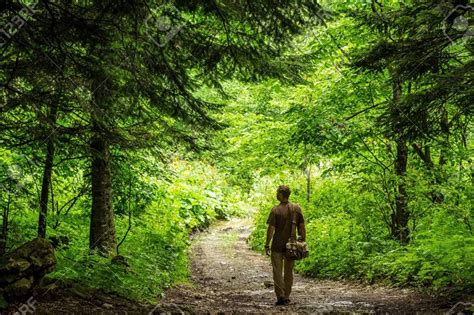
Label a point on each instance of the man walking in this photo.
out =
(279, 229)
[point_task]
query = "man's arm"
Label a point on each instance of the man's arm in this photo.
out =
(302, 232)
(301, 226)
(270, 232)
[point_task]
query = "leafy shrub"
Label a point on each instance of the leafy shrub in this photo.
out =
(165, 211)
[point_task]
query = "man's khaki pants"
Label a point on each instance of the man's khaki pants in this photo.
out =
(282, 283)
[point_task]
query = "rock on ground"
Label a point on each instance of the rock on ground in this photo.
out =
(23, 268)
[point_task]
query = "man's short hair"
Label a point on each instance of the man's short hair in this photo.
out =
(284, 191)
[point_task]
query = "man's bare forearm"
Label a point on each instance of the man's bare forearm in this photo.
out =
(302, 232)
(270, 232)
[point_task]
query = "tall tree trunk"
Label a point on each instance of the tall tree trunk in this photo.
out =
(401, 215)
(47, 174)
(102, 226)
(308, 184)
(444, 124)
(4, 235)
(308, 178)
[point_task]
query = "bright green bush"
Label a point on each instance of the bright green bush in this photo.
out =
(155, 250)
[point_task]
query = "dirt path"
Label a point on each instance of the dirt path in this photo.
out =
(228, 277)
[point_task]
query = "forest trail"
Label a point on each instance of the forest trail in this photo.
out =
(227, 276)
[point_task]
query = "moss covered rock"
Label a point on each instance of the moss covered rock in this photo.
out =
(19, 288)
(24, 267)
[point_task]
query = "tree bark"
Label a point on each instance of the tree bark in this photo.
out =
(444, 124)
(102, 227)
(47, 174)
(4, 235)
(308, 178)
(401, 215)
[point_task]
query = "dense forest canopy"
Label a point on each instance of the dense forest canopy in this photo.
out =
(125, 126)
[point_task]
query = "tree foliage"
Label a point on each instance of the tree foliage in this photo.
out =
(125, 126)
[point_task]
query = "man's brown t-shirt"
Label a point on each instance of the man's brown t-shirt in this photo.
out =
(280, 218)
